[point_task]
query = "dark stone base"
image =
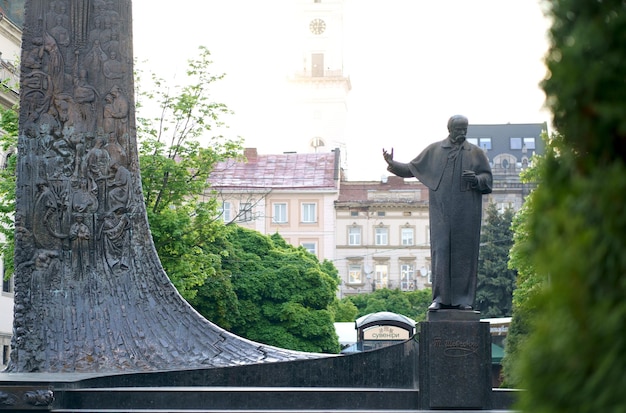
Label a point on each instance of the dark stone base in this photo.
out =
(455, 363)
(453, 315)
(382, 380)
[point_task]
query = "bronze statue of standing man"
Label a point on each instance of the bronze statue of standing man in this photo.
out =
(457, 173)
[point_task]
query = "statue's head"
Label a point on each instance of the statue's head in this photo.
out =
(457, 127)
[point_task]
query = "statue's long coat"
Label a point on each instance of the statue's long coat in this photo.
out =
(455, 209)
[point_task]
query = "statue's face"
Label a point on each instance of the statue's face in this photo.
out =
(458, 130)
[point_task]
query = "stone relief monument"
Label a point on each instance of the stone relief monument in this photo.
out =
(90, 293)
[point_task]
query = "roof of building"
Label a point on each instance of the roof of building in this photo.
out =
(392, 186)
(500, 135)
(382, 317)
(284, 171)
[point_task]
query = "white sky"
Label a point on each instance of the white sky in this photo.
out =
(412, 64)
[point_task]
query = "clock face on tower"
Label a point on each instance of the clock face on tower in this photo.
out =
(317, 26)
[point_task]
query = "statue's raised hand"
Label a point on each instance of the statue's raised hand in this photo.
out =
(388, 156)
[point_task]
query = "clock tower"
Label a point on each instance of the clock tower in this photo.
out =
(318, 83)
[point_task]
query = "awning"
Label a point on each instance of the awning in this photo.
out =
(497, 353)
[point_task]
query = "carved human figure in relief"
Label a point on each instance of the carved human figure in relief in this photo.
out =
(47, 219)
(113, 69)
(98, 161)
(33, 58)
(80, 236)
(115, 150)
(119, 189)
(60, 33)
(84, 199)
(51, 15)
(85, 97)
(116, 239)
(94, 62)
(115, 113)
(55, 66)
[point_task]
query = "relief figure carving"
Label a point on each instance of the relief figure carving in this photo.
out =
(60, 32)
(119, 189)
(80, 236)
(116, 239)
(47, 219)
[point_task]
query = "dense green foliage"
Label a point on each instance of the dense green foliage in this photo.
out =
(412, 304)
(283, 293)
(496, 282)
(575, 356)
(344, 311)
(8, 143)
(175, 170)
(528, 283)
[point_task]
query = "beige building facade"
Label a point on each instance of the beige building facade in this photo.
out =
(291, 194)
(382, 236)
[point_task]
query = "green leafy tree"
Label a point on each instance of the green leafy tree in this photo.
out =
(8, 143)
(412, 304)
(284, 294)
(496, 282)
(175, 170)
(575, 356)
(344, 311)
(528, 282)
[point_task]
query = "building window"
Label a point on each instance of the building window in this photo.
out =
(382, 276)
(317, 64)
(529, 143)
(5, 354)
(354, 213)
(408, 236)
(473, 141)
(280, 213)
(310, 246)
(381, 213)
(226, 211)
(381, 236)
(245, 212)
(7, 285)
(407, 275)
(354, 236)
(309, 213)
(355, 274)
(485, 143)
(516, 143)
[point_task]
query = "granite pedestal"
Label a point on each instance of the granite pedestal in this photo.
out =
(455, 361)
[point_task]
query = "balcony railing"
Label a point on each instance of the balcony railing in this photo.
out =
(327, 73)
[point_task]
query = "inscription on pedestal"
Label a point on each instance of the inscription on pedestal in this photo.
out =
(455, 366)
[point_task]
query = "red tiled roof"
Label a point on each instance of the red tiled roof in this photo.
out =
(286, 171)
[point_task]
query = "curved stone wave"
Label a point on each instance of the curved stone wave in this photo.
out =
(90, 292)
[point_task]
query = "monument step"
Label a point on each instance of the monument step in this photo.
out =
(234, 411)
(271, 411)
(235, 399)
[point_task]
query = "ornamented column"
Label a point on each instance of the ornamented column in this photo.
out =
(90, 292)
